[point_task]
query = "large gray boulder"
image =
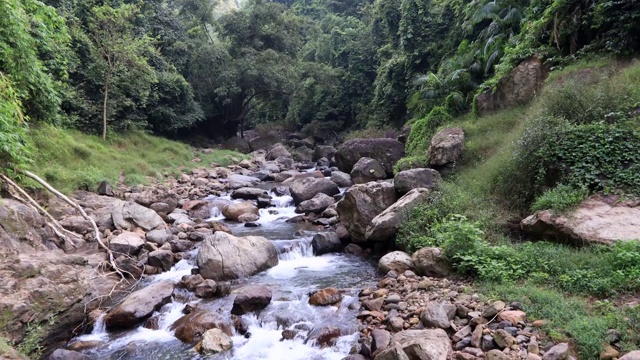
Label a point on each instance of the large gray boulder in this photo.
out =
(128, 215)
(306, 188)
(430, 261)
(237, 181)
(362, 203)
(317, 204)
(223, 256)
(386, 151)
(385, 226)
(446, 146)
(276, 151)
(431, 344)
(367, 169)
(406, 180)
(396, 260)
(323, 151)
(128, 243)
(139, 305)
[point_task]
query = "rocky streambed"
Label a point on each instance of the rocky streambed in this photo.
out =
(272, 258)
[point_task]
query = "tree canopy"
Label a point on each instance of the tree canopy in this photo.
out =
(181, 67)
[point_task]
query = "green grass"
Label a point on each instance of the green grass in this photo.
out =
(583, 323)
(70, 160)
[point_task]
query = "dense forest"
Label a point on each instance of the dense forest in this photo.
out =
(184, 67)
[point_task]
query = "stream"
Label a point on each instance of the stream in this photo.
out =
(298, 273)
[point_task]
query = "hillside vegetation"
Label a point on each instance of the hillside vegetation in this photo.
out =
(584, 123)
(70, 160)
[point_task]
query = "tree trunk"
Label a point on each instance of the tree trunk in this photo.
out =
(104, 107)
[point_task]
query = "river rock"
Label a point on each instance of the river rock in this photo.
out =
(139, 305)
(512, 316)
(159, 236)
(251, 298)
(191, 327)
(406, 180)
(558, 352)
(162, 259)
(248, 193)
(385, 225)
(496, 354)
(493, 309)
(386, 151)
(223, 256)
(361, 204)
(234, 210)
(503, 339)
(207, 289)
(324, 297)
(308, 187)
(62, 354)
(128, 215)
(431, 344)
(323, 151)
(324, 336)
(317, 204)
(128, 243)
(430, 261)
(325, 242)
(302, 154)
(380, 340)
(214, 341)
(341, 179)
(396, 260)
(597, 220)
(435, 315)
(237, 181)
(367, 169)
(276, 151)
(263, 142)
(446, 146)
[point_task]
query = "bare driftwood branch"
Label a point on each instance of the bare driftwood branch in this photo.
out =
(112, 261)
(29, 201)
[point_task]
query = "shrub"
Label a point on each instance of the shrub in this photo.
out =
(560, 198)
(594, 156)
(423, 130)
(411, 162)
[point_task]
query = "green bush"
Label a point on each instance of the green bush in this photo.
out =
(411, 162)
(560, 198)
(597, 156)
(423, 130)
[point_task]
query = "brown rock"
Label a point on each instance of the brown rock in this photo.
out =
(324, 297)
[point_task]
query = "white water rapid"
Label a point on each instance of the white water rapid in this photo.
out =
(298, 273)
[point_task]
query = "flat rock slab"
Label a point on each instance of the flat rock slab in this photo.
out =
(597, 220)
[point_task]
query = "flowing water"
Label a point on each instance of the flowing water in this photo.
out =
(298, 273)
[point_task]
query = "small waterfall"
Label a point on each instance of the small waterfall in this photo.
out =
(99, 328)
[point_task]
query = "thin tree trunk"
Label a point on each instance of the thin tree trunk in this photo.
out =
(104, 107)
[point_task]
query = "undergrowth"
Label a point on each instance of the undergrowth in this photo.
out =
(69, 159)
